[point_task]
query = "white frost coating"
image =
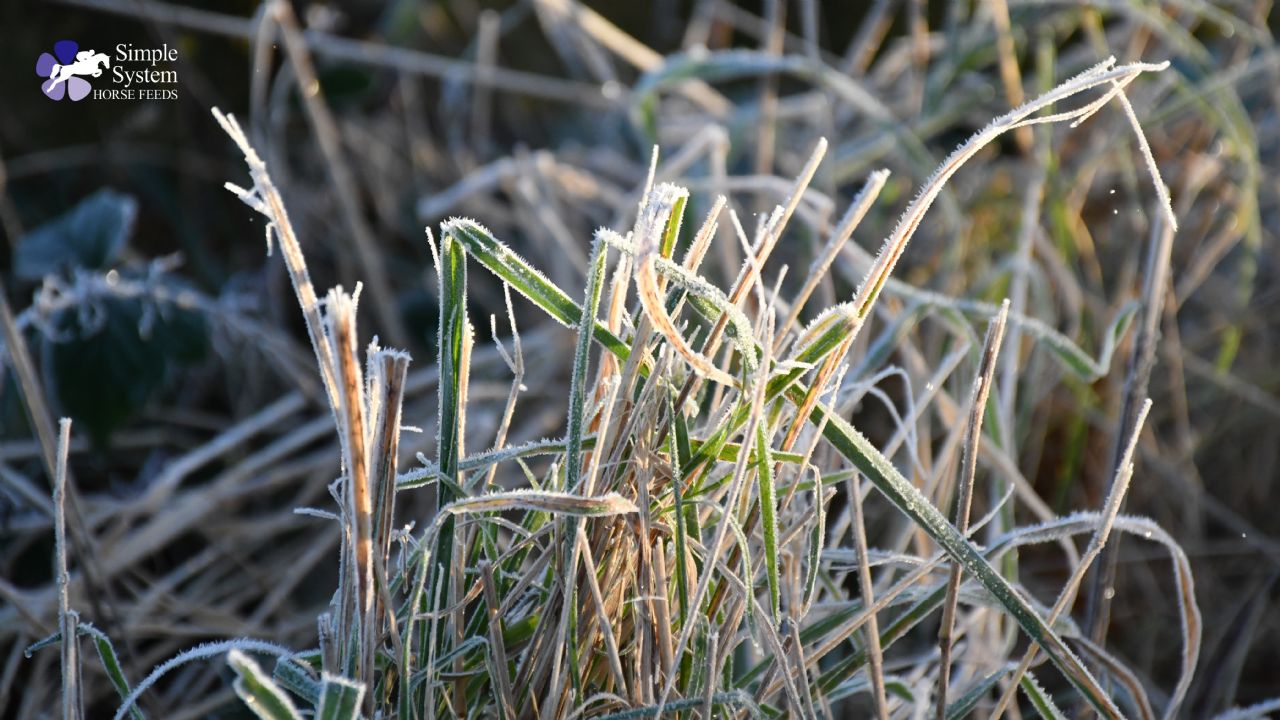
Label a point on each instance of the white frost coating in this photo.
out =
(823, 322)
(649, 178)
(265, 199)
(844, 230)
(1101, 74)
(1253, 712)
(525, 499)
(544, 501)
(582, 364)
(1078, 523)
(1054, 712)
(649, 227)
(545, 446)
(1162, 190)
(204, 650)
(1110, 509)
(316, 513)
(331, 679)
(245, 666)
(498, 252)
(698, 286)
(435, 251)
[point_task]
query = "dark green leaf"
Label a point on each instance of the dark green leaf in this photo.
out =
(104, 371)
(106, 363)
(90, 235)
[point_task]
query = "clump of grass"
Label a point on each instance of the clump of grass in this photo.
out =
(674, 553)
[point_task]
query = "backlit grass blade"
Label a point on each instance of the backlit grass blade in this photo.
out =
(581, 368)
(1040, 700)
(258, 691)
(453, 329)
(672, 233)
(339, 698)
(453, 325)
(655, 217)
(769, 515)
(705, 298)
(527, 281)
(817, 537)
(573, 456)
(677, 497)
(292, 673)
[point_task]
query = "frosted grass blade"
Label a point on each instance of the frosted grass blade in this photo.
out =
(258, 691)
(911, 502)
(527, 281)
(769, 515)
(339, 698)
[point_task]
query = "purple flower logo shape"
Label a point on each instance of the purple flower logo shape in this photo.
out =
(63, 71)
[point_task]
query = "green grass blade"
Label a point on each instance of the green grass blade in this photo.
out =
(674, 443)
(520, 275)
(842, 670)
(293, 675)
(106, 653)
(825, 333)
(892, 685)
(581, 368)
(728, 452)
(573, 450)
(744, 548)
(817, 537)
(911, 502)
(672, 233)
(769, 515)
(258, 691)
(453, 329)
(110, 663)
(453, 326)
(705, 298)
(1040, 699)
(1069, 355)
(963, 706)
(339, 698)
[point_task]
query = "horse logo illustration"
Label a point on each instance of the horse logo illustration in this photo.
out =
(63, 69)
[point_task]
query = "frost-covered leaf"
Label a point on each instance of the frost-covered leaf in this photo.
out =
(89, 235)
